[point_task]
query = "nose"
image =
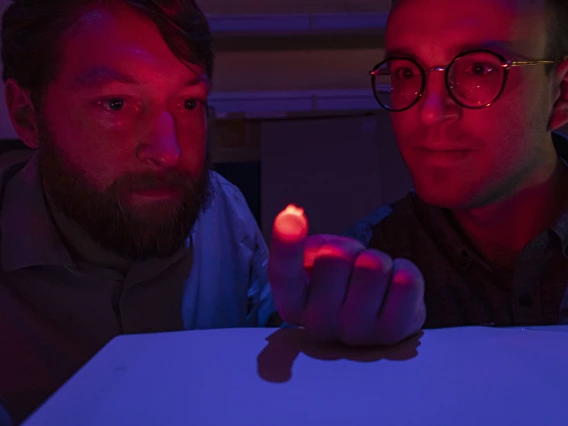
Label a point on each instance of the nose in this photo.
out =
(437, 106)
(161, 147)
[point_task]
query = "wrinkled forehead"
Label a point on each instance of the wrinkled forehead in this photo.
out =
(444, 28)
(113, 42)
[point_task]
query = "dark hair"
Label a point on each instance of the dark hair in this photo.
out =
(558, 29)
(31, 31)
(557, 44)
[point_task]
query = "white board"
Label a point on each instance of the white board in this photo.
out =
(254, 377)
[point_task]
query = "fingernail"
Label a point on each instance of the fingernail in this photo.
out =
(291, 223)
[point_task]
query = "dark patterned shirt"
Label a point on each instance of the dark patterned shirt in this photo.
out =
(461, 288)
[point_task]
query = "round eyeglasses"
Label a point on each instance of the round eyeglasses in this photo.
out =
(474, 79)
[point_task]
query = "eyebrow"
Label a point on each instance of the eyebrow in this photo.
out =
(102, 76)
(196, 80)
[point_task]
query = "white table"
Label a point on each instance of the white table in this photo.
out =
(467, 376)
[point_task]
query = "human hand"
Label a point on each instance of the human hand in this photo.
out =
(340, 291)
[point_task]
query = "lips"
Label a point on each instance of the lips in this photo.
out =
(442, 148)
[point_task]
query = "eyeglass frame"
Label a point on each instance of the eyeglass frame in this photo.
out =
(505, 63)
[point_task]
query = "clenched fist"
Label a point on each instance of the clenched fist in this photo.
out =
(340, 291)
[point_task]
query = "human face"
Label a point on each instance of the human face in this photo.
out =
(123, 134)
(467, 158)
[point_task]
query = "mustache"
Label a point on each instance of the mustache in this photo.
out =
(438, 136)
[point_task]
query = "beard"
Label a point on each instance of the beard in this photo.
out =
(158, 230)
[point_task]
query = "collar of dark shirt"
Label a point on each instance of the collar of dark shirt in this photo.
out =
(31, 238)
(450, 235)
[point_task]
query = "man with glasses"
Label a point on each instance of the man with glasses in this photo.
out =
(475, 94)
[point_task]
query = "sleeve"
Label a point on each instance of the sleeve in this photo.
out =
(253, 252)
(363, 230)
(4, 417)
(262, 311)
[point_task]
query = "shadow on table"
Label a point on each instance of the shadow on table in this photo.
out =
(277, 358)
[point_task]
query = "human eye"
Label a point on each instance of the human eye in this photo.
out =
(404, 73)
(480, 69)
(116, 104)
(193, 104)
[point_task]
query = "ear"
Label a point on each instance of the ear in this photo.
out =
(22, 113)
(559, 117)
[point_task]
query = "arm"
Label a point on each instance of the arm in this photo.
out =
(4, 417)
(262, 312)
(362, 231)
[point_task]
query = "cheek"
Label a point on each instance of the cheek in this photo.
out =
(405, 123)
(510, 126)
(192, 137)
(493, 132)
(407, 127)
(99, 152)
(524, 106)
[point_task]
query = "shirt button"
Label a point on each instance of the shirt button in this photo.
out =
(526, 301)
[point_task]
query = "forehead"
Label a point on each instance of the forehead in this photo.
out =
(441, 28)
(116, 36)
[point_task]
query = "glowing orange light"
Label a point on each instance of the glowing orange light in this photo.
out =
(291, 223)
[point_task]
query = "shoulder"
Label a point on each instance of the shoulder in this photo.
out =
(227, 215)
(228, 198)
(222, 189)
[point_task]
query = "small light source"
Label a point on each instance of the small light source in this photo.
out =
(291, 224)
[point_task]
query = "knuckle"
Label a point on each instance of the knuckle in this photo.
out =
(374, 260)
(402, 264)
(403, 278)
(340, 248)
(406, 273)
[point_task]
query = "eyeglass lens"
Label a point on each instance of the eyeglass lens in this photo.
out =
(474, 80)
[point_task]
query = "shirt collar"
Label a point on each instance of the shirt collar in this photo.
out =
(448, 232)
(560, 227)
(441, 225)
(29, 237)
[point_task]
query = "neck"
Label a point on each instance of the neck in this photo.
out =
(501, 230)
(81, 246)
